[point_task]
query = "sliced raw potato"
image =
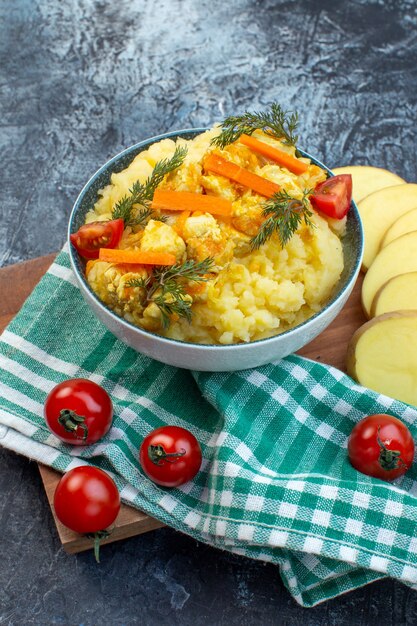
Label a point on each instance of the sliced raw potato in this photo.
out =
(398, 257)
(382, 355)
(379, 211)
(397, 294)
(404, 224)
(367, 179)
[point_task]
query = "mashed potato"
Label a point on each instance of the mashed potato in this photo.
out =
(249, 294)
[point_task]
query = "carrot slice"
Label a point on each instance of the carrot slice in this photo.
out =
(136, 257)
(218, 165)
(188, 201)
(275, 154)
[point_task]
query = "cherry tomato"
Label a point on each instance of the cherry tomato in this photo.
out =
(87, 501)
(78, 411)
(381, 446)
(333, 196)
(91, 237)
(170, 456)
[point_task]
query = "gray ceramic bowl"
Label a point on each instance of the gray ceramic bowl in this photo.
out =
(210, 357)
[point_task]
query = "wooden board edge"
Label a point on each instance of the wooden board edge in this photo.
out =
(129, 523)
(132, 522)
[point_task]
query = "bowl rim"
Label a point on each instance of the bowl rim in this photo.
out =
(140, 147)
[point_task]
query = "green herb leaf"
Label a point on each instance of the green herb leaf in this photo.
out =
(166, 287)
(190, 270)
(275, 122)
(178, 304)
(284, 214)
(142, 193)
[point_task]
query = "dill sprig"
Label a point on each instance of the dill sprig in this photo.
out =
(177, 304)
(276, 122)
(142, 193)
(284, 214)
(166, 287)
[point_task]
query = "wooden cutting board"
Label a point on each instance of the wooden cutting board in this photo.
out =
(329, 347)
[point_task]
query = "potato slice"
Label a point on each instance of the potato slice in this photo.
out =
(379, 211)
(398, 257)
(397, 294)
(382, 355)
(367, 179)
(404, 224)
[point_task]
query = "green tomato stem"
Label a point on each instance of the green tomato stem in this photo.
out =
(71, 422)
(97, 538)
(389, 459)
(158, 456)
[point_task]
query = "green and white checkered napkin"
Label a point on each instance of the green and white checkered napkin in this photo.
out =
(275, 483)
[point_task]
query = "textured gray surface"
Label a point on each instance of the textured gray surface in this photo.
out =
(80, 80)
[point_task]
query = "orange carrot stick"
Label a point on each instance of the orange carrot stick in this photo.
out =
(218, 165)
(136, 257)
(275, 154)
(188, 201)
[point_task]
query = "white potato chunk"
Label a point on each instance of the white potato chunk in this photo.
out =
(379, 211)
(367, 179)
(397, 294)
(404, 224)
(382, 355)
(398, 257)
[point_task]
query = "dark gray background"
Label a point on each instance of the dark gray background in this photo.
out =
(81, 80)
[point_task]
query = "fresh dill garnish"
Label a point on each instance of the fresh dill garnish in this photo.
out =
(276, 122)
(142, 193)
(284, 214)
(166, 287)
(177, 303)
(143, 216)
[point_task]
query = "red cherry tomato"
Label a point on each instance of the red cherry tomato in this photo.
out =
(78, 411)
(87, 501)
(333, 196)
(91, 237)
(170, 456)
(381, 446)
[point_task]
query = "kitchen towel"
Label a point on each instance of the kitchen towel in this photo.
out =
(275, 483)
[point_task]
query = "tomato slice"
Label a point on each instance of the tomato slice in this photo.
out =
(333, 196)
(91, 237)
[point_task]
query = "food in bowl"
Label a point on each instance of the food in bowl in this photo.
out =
(225, 238)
